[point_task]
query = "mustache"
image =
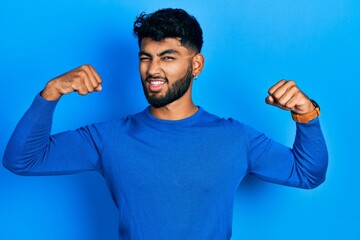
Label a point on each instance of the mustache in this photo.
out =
(152, 78)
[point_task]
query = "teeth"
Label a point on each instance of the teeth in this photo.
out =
(156, 82)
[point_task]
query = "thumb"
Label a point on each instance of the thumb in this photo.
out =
(270, 100)
(98, 88)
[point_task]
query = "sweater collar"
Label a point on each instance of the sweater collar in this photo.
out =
(181, 122)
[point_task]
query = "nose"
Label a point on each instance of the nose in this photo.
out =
(154, 68)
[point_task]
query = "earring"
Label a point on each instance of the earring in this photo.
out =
(195, 76)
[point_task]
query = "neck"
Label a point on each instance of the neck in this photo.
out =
(174, 112)
(177, 110)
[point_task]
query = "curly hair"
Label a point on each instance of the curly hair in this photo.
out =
(169, 23)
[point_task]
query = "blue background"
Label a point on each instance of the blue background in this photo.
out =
(249, 45)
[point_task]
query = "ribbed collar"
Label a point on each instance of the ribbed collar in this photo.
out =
(182, 122)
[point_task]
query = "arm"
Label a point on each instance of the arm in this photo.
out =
(304, 165)
(33, 151)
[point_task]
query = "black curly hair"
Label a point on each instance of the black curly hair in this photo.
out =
(169, 23)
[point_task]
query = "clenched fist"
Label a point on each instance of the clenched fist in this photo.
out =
(286, 95)
(82, 80)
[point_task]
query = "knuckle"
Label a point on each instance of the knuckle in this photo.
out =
(90, 88)
(288, 105)
(281, 101)
(295, 90)
(88, 67)
(75, 87)
(293, 86)
(299, 94)
(82, 91)
(291, 82)
(83, 68)
(82, 74)
(282, 82)
(276, 96)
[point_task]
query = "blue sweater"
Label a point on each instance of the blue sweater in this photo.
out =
(169, 179)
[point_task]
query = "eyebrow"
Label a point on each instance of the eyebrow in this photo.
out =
(168, 51)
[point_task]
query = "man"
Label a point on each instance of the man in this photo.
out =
(172, 169)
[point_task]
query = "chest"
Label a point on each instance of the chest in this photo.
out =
(199, 161)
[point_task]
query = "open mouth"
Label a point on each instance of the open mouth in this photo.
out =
(155, 85)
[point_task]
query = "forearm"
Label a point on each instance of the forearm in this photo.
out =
(310, 153)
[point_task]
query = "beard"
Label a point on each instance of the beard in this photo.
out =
(176, 91)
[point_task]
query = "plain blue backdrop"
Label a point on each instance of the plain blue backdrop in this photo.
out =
(248, 46)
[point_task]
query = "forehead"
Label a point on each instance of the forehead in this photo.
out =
(155, 47)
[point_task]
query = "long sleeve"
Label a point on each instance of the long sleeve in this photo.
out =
(32, 150)
(304, 165)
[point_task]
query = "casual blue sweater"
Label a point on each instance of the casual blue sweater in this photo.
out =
(169, 179)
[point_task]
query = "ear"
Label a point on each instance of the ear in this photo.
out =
(198, 64)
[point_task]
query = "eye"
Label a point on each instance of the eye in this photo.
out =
(143, 59)
(168, 58)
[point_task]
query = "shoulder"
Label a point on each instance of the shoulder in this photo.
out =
(126, 120)
(227, 123)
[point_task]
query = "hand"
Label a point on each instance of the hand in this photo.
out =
(83, 80)
(286, 95)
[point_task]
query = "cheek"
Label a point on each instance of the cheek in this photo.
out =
(176, 71)
(142, 71)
